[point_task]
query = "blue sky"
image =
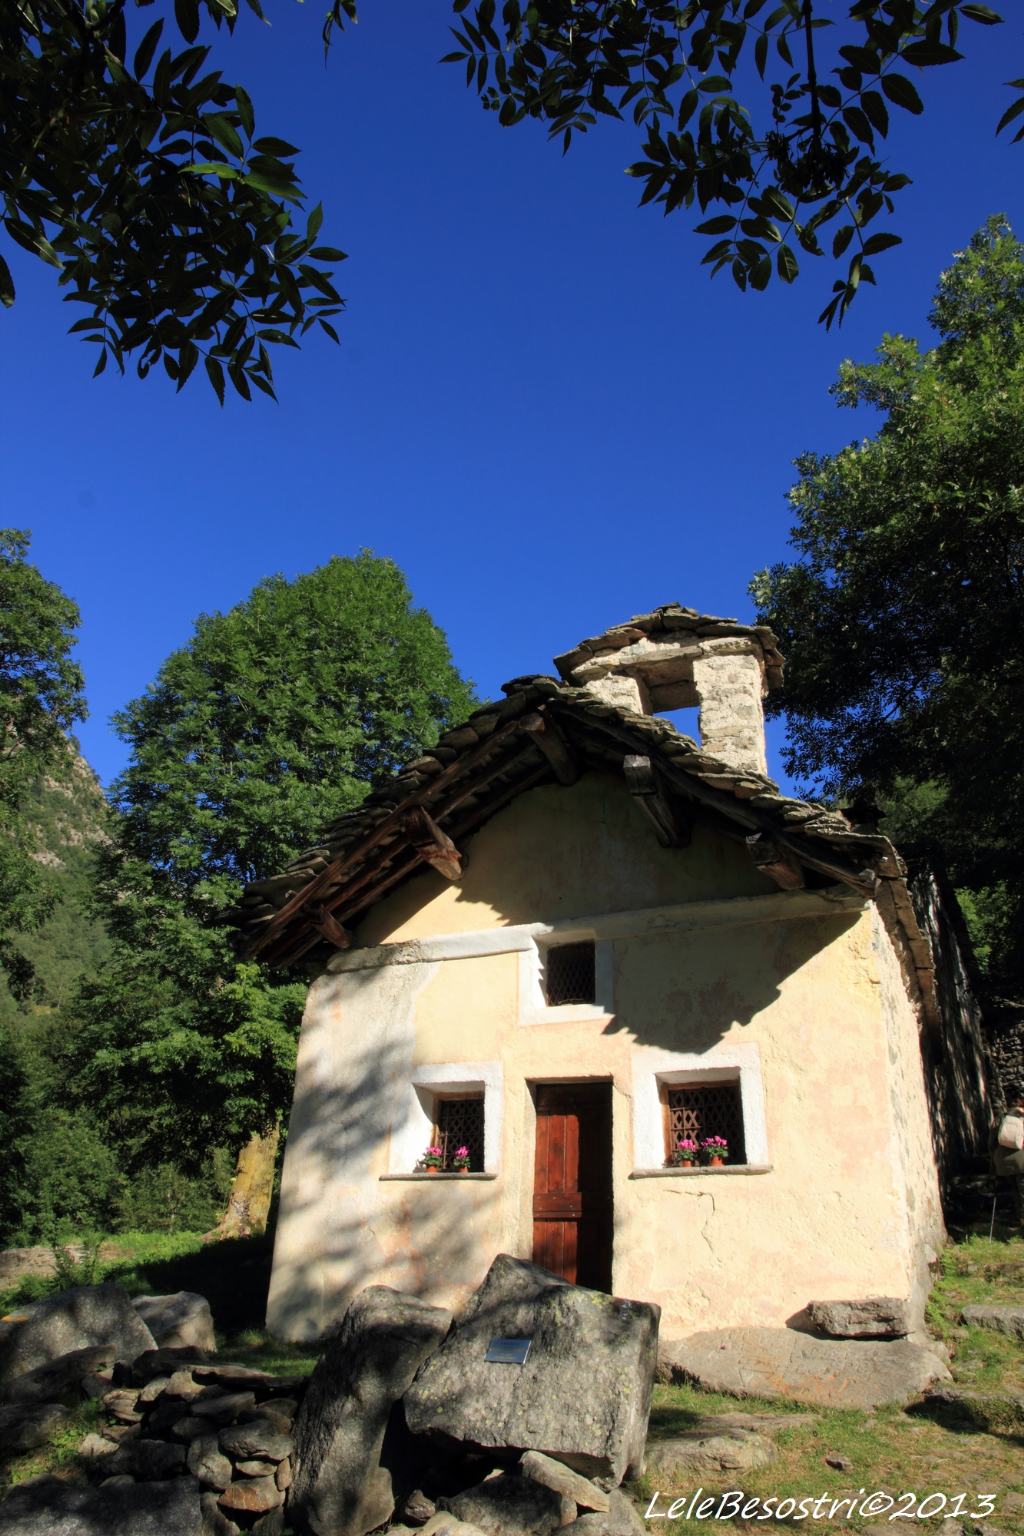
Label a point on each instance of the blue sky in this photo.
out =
(542, 408)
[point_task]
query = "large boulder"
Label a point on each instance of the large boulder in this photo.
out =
(24, 1426)
(182, 1320)
(706, 1450)
(340, 1487)
(1008, 1320)
(53, 1508)
(584, 1394)
(81, 1318)
(876, 1317)
(510, 1505)
(782, 1362)
(620, 1519)
(61, 1380)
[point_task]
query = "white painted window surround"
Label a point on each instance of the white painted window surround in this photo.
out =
(411, 1136)
(534, 1007)
(653, 1069)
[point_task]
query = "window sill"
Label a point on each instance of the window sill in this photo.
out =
(694, 1173)
(393, 1178)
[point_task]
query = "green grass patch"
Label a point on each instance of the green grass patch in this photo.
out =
(59, 1454)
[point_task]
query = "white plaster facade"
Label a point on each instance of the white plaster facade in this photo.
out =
(704, 969)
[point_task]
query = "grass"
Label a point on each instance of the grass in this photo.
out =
(59, 1456)
(886, 1450)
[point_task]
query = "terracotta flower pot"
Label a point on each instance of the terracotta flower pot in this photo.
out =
(433, 1170)
(463, 1170)
(716, 1162)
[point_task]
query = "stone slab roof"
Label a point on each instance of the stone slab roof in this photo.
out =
(674, 622)
(547, 731)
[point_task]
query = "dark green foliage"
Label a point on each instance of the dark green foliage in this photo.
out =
(137, 172)
(901, 618)
(40, 699)
(806, 155)
(275, 717)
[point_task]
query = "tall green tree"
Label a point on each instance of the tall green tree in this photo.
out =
(136, 170)
(276, 716)
(41, 697)
(900, 618)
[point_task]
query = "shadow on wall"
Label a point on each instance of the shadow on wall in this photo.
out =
(327, 1241)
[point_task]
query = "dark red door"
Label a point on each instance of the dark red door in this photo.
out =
(572, 1186)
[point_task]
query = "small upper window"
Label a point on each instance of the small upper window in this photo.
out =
(569, 975)
(701, 1111)
(460, 1123)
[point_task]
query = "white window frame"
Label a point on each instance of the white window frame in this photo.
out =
(655, 1070)
(411, 1136)
(534, 1007)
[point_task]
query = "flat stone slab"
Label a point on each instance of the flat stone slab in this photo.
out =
(1008, 1320)
(509, 1505)
(831, 1373)
(706, 1451)
(985, 1410)
(876, 1317)
(80, 1318)
(583, 1395)
(53, 1508)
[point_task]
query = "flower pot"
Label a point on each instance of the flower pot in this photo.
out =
(433, 1170)
(463, 1170)
(716, 1162)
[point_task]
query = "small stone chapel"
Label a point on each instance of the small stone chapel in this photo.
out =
(570, 937)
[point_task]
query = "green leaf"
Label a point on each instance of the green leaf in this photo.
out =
(283, 189)
(786, 264)
(981, 13)
(146, 49)
(924, 54)
(271, 146)
(214, 168)
(901, 93)
(1010, 114)
(215, 373)
(186, 14)
(226, 135)
(880, 242)
(245, 111)
(720, 225)
(6, 284)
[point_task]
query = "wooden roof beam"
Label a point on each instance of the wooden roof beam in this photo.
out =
(546, 736)
(672, 827)
(774, 862)
(433, 846)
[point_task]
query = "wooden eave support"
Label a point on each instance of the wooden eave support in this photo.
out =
(328, 927)
(548, 738)
(433, 846)
(673, 829)
(773, 861)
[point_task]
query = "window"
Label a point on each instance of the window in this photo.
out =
(570, 974)
(698, 1110)
(460, 1123)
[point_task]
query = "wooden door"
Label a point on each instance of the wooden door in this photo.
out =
(572, 1186)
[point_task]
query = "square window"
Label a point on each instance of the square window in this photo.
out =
(459, 1122)
(570, 974)
(699, 1110)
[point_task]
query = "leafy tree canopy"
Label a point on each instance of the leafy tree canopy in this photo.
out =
(276, 717)
(900, 618)
(137, 171)
(40, 699)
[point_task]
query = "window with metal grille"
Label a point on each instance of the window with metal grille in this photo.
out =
(699, 1110)
(460, 1123)
(569, 975)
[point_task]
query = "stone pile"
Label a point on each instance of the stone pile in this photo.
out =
(403, 1421)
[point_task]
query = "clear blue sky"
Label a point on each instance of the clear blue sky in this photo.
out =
(542, 408)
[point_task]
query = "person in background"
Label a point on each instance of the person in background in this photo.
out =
(1008, 1155)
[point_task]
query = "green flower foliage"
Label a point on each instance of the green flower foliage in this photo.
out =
(40, 699)
(276, 717)
(785, 159)
(137, 172)
(900, 618)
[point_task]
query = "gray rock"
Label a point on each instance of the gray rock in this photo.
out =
(563, 1480)
(584, 1394)
(253, 1495)
(148, 1460)
(60, 1380)
(707, 1450)
(985, 1410)
(508, 1505)
(340, 1487)
(834, 1373)
(876, 1317)
(206, 1461)
(256, 1438)
(54, 1508)
(622, 1519)
(1008, 1320)
(283, 1475)
(417, 1508)
(24, 1426)
(222, 1407)
(81, 1318)
(94, 1446)
(152, 1390)
(444, 1523)
(182, 1320)
(164, 1362)
(270, 1524)
(215, 1521)
(123, 1404)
